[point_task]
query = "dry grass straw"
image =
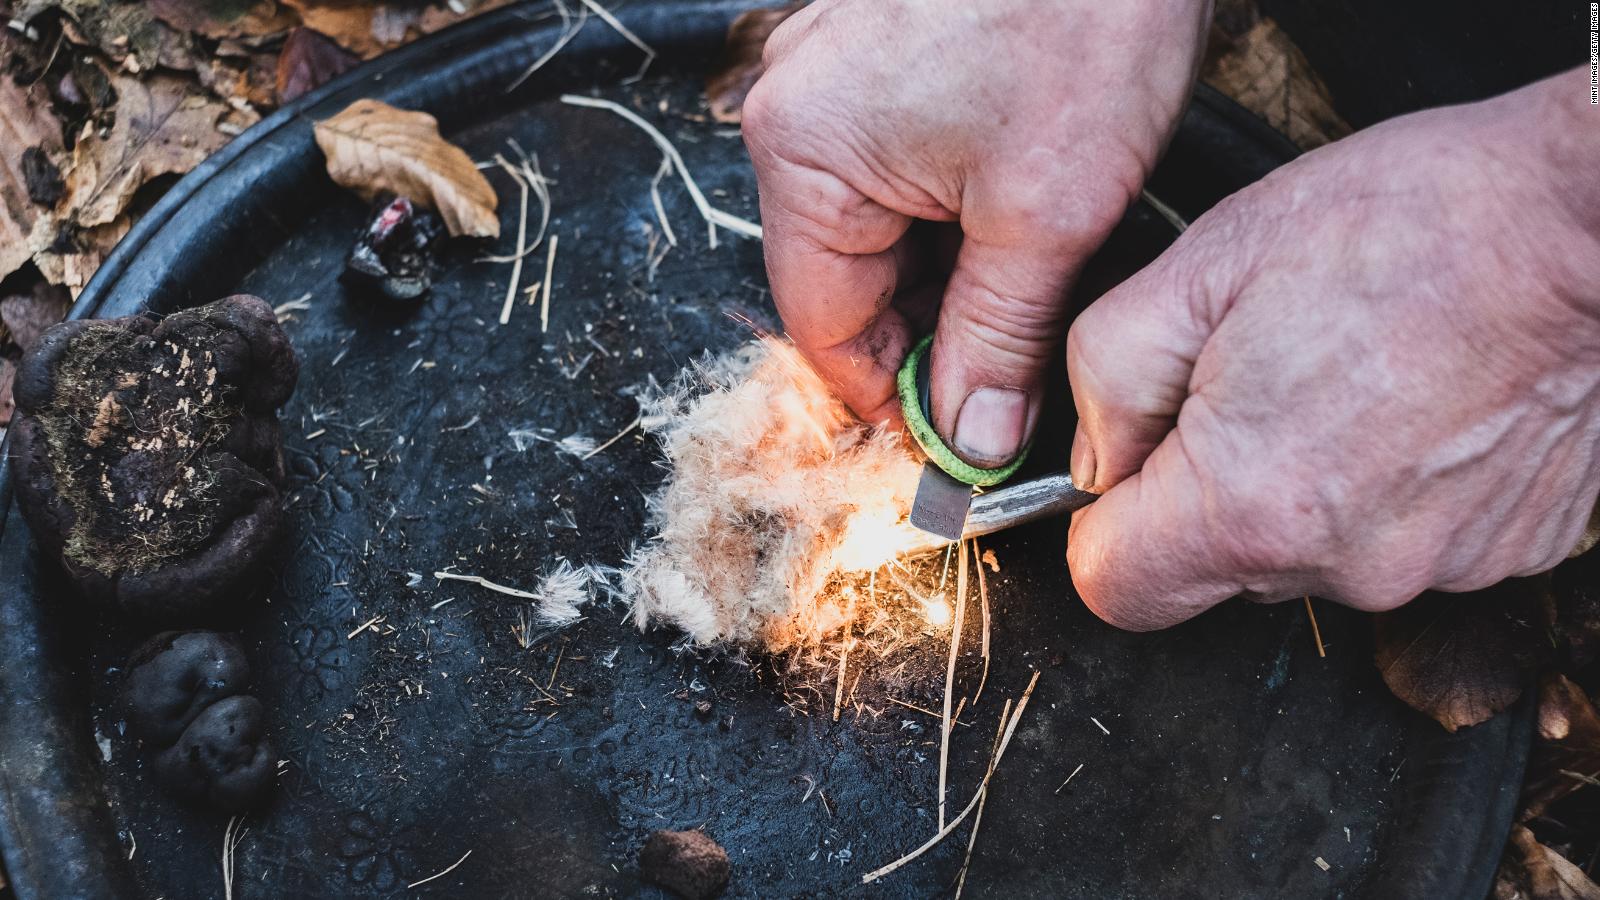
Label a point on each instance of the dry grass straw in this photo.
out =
(950, 671)
(994, 763)
(714, 217)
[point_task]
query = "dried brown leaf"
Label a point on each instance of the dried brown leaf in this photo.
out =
(1461, 658)
(1568, 750)
(244, 81)
(224, 19)
(26, 123)
(373, 147)
(26, 316)
(309, 59)
(740, 65)
(163, 126)
(368, 28)
(1531, 871)
(128, 33)
(69, 256)
(8, 374)
(1263, 71)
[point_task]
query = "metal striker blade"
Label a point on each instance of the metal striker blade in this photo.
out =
(942, 503)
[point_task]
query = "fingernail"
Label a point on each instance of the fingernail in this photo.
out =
(991, 425)
(1082, 460)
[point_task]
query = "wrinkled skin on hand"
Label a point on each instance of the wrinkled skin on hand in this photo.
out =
(1375, 372)
(1024, 129)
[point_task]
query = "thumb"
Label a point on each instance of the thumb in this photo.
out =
(1130, 358)
(1000, 325)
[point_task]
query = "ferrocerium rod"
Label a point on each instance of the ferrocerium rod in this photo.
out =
(1011, 505)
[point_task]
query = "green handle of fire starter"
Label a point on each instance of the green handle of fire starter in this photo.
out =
(917, 421)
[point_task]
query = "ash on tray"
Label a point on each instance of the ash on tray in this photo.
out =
(774, 491)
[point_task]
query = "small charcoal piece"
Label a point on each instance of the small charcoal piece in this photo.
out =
(688, 863)
(223, 759)
(175, 675)
(148, 458)
(41, 177)
(395, 255)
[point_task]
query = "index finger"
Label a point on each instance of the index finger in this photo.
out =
(833, 261)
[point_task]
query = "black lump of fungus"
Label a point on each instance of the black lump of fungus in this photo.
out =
(394, 257)
(147, 456)
(688, 863)
(175, 676)
(223, 759)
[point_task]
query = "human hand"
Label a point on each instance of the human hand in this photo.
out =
(1027, 127)
(1373, 373)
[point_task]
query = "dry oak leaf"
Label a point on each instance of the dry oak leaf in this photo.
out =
(1568, 751)
(740, 65)
(1462, 658)
(309, 59)
(25, 123)
(70, 256)
(224, 19)
(1531, 871)
(163, 126)
(373, 147)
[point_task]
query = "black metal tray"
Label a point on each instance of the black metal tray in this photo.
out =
(1235, 756)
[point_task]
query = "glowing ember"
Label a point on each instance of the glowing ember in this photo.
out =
(774, 490)
(936, 611)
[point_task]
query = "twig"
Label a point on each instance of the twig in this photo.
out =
(712, 215)
(567, 35)
(606, 17)
(617, 437)
(480, 581)
(447, 871)
(364, 626)
(977, 819)
(1011, 727)
(655, 198)
(522, 239)
(983, 594)
(950, 672)
(1315, 631)
(544, 300)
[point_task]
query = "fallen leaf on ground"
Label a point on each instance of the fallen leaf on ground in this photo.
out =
(1567, 755)
(26, 316)
(1262, 70)
(68, 255)
(1461, 658)
(1531, 871)
(365, 29)
(128, 33)
(740, 65)
(8, 374)
(26, 124)
(244, 81)
(224, 19)
(163, 126)
(309, 59)
(373, 147)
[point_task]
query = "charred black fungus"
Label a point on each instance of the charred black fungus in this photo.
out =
(223, 759)
(147, 456)
(688, 863)
(175, 675)
(395, 255)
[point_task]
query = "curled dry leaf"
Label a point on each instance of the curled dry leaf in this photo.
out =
(740, 66)
(1568, 751)
(369, 28)
(26, 128)
(163, 126)
(373, 147)
(1461, 658)
(309, 60)
(1531, 871)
